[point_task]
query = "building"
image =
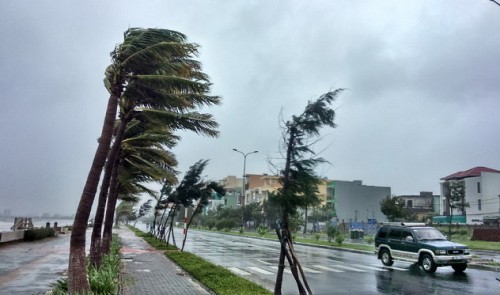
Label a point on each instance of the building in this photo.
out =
(482, 192)
(259, 187)
(233, 198)
(351, 201)
(421, 205)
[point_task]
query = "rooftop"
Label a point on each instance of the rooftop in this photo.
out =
(473, 172)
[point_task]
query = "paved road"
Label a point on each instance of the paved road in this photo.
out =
(335, 272)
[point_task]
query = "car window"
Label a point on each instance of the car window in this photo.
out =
(406, 234)
(382, 232)
(429, 234)
(395, 233)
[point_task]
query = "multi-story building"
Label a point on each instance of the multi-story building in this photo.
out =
(259, 186)
(422, 204)
(233, 197)
(482, 192)
(351, 201)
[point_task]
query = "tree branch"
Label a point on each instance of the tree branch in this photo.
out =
(494, 1)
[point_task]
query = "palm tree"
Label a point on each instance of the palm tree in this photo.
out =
(152, 69)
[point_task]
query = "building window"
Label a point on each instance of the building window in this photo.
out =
(478, 187)
(409, 204)
(479, 204)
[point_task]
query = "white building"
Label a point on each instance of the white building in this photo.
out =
(482, 192)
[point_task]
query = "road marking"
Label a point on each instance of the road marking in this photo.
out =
(274, 267)
(394, 268)
(264, 262)
(239, 271)
(349, 268)
(370, 267)
(260, 270)
(307, 269)
(328, 268)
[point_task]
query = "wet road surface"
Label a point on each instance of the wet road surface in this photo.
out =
(334, 272)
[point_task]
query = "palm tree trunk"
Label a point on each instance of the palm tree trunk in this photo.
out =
(95, 244)
(110, 212)
(77, 271)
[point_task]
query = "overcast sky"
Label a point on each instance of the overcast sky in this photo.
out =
(422, 80)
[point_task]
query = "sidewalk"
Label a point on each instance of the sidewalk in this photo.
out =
(148, 271)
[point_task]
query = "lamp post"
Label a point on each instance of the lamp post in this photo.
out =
(244, 167)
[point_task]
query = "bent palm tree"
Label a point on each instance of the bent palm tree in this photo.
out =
(152, 69)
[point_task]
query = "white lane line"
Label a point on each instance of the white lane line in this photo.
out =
(239, 271)
(310, 270)
(369, 267)
(395, 268)
(264, 262)
(274, 267)
(329, 268)
(260, 270)
(348, 268)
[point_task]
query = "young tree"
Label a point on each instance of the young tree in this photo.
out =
(454, 193)
(298, 178)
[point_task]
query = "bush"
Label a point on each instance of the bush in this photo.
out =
(104, 280)
(262, 230)
(225, 223)
(369, 239)
(331, 231)
(39, 233)
(317, 236)
(339, 239)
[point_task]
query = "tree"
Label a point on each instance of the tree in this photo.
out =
(153, 71)
(454, 193)
(144, 209)
(393, 208)
(298, 178)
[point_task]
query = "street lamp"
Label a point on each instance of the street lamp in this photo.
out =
(244, 166)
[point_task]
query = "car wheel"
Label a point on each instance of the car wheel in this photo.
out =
(428, 263)
(386, 258)
(459, 267)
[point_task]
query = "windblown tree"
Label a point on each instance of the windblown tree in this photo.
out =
(194, 189)
(299, 179)
(153, 71)
(144, 209)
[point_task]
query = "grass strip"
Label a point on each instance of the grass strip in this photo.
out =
(217, 278)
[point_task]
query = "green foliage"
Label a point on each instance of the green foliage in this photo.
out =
(103, 280)
(454, 193)
(152, 240)
(262, 230)
(331, 231)
(39, 233)
(317, 236)
(369, 239)
(393, 208)
(225, 223)
(217, 278)
(339, 239)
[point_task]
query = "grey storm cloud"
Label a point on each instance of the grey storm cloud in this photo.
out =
(421, 83)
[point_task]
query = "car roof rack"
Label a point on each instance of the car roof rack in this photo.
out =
(404, 223)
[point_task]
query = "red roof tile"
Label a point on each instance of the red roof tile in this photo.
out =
(473, 172)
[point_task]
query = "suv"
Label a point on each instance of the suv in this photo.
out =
(417, 243)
